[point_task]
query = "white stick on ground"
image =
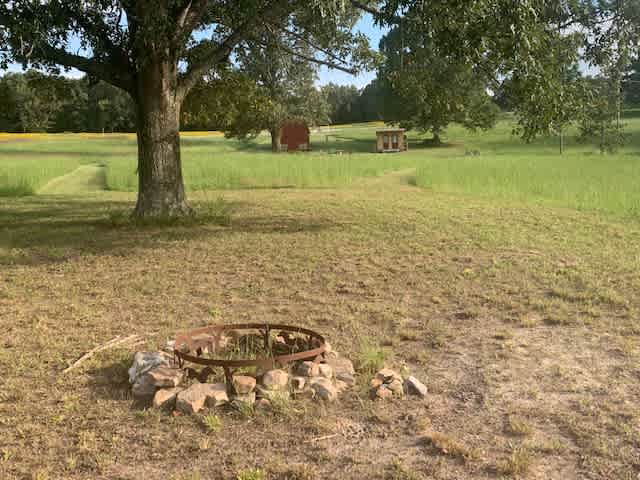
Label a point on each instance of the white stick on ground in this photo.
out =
(114, 342)
(318, 439)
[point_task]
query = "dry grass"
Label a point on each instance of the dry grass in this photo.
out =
(518, 426)
(359, 264)
(517, 464)
(447, 445)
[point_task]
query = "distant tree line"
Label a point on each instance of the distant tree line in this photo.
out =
(39, 102)
(348, 104)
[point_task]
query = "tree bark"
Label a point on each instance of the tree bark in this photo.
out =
(160, 183)
(275, 139)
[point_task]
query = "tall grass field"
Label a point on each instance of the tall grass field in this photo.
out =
(492, 164)
(496, 165)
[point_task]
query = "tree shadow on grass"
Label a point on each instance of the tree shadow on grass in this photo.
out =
(111, 381)
(43, 230)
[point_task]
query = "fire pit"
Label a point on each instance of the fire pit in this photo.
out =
(224, 346)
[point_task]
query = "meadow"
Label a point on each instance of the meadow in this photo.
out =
(493, 164)
(507, 281)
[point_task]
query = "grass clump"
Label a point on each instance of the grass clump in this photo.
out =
(289, 471)
(245, 409)
(518, 426)
(212, 423)
(448, 445)
(251, 474)
(370, 358)
(435, 333)
(518, 464)
(216, 212)
(281, 404)
(397, 471)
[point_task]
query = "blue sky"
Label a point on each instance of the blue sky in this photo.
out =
(326, 75)
(366, 26)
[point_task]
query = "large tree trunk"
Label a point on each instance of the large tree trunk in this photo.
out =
(160, 183)
(275, 139)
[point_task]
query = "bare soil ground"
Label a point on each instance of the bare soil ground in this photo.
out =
(522, 321)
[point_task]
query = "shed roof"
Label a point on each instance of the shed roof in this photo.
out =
(391, 130)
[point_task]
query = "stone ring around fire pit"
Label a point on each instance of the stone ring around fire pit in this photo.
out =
(207, 345)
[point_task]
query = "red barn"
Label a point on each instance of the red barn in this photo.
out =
(294, 135)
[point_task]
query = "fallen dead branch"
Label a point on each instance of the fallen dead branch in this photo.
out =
(319, 439)
(114, 342)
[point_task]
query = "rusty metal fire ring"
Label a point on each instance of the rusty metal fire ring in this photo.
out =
(189, 347)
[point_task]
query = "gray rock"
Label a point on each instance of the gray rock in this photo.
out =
(246, 399)
(166, 398)
(341, 365)
(383, 393)
(306, 393)
(194, 398)
(262, 404)
(145, 361)
(143, 388)
(375, 383)
(324, 389)
(387, 375)
(164, 376)
(396, 387)
(325, 370)
(298, 382)
(275, 380)
(346, 378)
(243, 384)
(308, 369)
(413, 386)
(170, 346)
(216, 394)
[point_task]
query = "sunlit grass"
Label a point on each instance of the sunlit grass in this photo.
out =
(21, 177)
(492, 164)
(495, 165)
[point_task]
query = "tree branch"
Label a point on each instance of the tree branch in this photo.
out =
(308, 42)
(366, 8)
(188, 18)
(113, 71)
(222, 52)
(308, 58)
(104, 71)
